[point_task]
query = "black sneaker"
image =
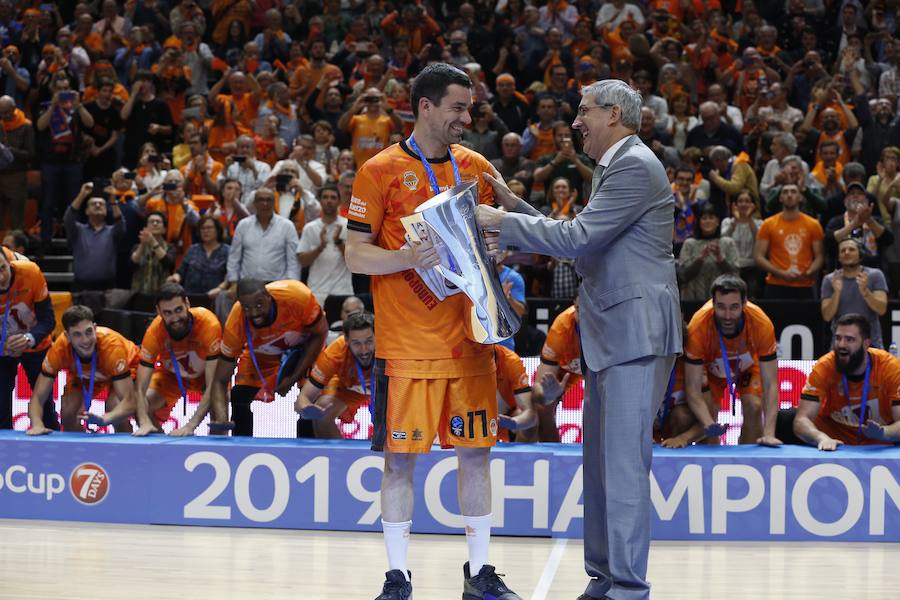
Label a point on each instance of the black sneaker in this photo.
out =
(396, 587)
(486, 585)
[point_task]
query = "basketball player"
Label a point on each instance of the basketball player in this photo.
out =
(180, 352)
(278, 330)
(342, 380)
(559, 370)
(852, 395)
(28, 321)
(513, 394)
(97, 359)
(734, 342)
(429, 377)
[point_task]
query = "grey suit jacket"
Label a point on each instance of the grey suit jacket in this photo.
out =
(622, 241)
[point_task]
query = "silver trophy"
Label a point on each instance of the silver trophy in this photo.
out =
(448, 219)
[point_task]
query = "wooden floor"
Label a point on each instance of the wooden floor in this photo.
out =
(66, 561)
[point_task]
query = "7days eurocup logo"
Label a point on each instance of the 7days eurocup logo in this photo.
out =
(89, 483)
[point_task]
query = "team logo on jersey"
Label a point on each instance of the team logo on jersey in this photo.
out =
(89, 483)
(494, 427)
(120, 365)
(417, 435)
(398, 435)
(456, 426)
(411, 181)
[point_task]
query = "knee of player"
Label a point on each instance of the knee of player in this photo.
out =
(751, 404)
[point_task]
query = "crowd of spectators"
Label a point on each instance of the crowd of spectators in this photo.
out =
(222, 136)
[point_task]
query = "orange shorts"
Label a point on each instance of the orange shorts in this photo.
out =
(750, 383)
(461, 411)
(165, 384)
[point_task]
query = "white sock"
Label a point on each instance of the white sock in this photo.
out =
(478, 536)
(396, 540)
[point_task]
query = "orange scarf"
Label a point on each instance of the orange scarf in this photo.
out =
(17, 121)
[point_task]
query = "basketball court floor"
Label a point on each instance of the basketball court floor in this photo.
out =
(68, 561)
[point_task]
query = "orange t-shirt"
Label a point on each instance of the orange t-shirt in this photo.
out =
(200, 345)
(838, 416)
(28, 287)
(370, 135)
(295, 310)
(309, 76)
(422, 337)
(753, 343)
(246, 107)
(544, 144)
(790, 245)
(562, 348)
(511, 376)
(335, 369)
(116, 357)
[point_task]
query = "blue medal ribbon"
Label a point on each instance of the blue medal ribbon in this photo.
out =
(5, 323)
(362, 382)
(89, 396)
(177, 369)
(732, 382)
(429, 171)
(864, 399)
(249, 335)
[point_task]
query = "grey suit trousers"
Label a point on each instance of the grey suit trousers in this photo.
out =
(620, 405)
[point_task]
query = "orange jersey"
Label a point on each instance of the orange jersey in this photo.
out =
(28, 287)
(562, 347)
(413, 325)
(200, 345)
(370, 135)
(245, 108)
(336, 368)
(295, 310)
(544, 144)
(838, 415)
(790, 245)
(116, 357)
(754, 342)
(511, 376)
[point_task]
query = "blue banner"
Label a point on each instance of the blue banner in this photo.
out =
(708, 493)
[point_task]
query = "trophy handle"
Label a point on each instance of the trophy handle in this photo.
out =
(452, 277)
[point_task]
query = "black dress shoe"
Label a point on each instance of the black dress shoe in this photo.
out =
(586, 597)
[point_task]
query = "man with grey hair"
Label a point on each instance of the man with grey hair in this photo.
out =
(783, 144)
(712, 131)
(622, 243)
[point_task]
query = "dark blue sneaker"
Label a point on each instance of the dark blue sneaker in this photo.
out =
(396, 587)
(486, 585)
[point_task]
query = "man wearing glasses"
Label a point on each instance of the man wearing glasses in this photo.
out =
(622, 243)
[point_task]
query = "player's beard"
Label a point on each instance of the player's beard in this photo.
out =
(365, 360)
(847, 362)
(452, 136)
(179, 329)
(729, 329)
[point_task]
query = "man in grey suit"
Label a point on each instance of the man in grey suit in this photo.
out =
(630, 324)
